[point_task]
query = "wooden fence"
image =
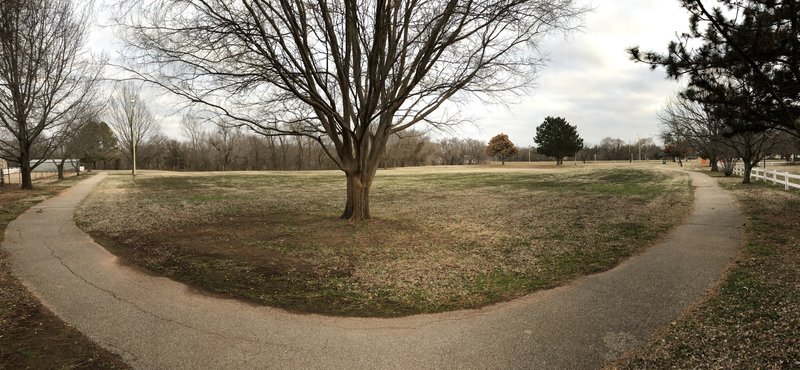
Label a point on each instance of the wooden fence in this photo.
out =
(788, 180)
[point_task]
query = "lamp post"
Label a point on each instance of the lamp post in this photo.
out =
(133, 137)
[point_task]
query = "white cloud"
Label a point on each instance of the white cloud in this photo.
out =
(590, 81)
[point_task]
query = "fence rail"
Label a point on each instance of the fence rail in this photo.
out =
(13, 175)
(788, 180)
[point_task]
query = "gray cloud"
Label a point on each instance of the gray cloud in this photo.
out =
(590, 80)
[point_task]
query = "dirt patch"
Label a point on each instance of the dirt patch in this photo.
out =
(439, 240)
(30, 335)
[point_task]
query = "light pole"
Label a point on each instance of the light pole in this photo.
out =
(133, 137)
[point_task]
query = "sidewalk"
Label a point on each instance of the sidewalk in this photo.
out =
(157, 323)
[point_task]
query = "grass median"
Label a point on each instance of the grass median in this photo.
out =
(439, 240)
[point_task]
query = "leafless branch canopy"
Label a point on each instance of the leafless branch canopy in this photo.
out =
(46, 84)
(341, 69)
(347, 74)
(129, 118)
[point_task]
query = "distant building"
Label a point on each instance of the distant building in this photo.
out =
(49, 165)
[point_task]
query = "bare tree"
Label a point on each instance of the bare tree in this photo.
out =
(452, 151)
(409, 148)
(131, 121)
(691, 122)
(612, 149)
(256, 147)
(346, 74)
(707, 130)
(647, 148)
(787, 147)
(751, 147)
(474, 150)
(45, 82)
(193, 129)
(225, 140)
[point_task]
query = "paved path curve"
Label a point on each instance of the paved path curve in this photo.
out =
(156, 323)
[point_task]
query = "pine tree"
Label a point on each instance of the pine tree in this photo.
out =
(557, 138)
(742, 62)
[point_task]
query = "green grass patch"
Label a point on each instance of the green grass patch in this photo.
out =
(439, 240)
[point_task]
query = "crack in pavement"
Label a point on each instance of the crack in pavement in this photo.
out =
(139, 308)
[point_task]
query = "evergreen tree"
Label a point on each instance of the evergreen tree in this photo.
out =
(742, 60)
(557, 138)
(95, 142)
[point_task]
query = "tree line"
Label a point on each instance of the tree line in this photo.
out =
(609, 149)
(229, 148)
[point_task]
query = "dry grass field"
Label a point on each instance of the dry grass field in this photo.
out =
(442, 238)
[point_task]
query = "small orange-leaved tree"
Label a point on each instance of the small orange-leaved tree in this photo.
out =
(500, 146)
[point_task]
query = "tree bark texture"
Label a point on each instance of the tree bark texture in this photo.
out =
(748, 168)
(25, 170)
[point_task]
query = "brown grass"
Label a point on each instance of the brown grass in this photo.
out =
(442, 238)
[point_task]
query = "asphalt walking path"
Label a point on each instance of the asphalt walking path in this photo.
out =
(156, 323)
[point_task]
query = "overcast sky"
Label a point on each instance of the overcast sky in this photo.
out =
(588, 79)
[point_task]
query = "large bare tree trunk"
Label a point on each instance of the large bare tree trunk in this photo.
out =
(748, 168)
(357, 206)
(360, 170)
(25, 170)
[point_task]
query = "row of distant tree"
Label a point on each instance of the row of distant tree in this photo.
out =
(557, 139)
(101, 145)
(228, 148)
(687, 130)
